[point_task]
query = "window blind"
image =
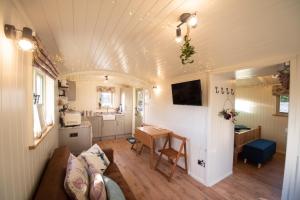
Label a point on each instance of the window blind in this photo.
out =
(42, 60)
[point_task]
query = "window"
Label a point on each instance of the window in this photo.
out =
(39, 83)
(106, 99)
(282, 107)
(43, 107)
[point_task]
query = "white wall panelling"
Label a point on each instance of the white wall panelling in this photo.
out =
(291, 182)
(87, 97)
(20, 168)
(189, 121)
(219, 132)
(257, 106)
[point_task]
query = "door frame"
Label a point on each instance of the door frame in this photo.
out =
(291, 178)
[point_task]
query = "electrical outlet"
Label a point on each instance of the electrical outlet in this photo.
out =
(201, 163)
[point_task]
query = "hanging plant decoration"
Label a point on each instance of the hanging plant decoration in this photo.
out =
(187, 50)
(229, 114)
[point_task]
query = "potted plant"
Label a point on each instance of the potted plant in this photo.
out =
(229, 114)
(187, 50)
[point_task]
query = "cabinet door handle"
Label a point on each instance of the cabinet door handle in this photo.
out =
(73, 135)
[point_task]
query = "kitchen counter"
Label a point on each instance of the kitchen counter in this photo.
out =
(104, 113)
(84, 124)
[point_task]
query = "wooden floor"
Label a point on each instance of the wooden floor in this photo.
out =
(247, 182)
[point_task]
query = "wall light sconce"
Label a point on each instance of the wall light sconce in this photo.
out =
(191, 21)
(105, 79)
(25, 42)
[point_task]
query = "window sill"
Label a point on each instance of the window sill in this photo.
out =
(37, 141)
(280, 115)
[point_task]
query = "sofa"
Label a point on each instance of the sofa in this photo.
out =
(51, 185)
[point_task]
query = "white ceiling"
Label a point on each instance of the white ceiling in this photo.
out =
(136, 37)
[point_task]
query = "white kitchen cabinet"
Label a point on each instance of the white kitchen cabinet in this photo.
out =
(71, 91)
(108, 128)
(120, 125)
(127, 104)
(96, 122)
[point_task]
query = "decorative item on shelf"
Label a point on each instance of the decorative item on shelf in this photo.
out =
(187, 50)
(63, 84)
(62, 93)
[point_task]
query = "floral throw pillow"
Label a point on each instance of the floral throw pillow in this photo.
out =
(76, 181)
(95, 149)
(97, 187)
(96, 160)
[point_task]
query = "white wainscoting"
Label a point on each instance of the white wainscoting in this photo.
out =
(20, 168)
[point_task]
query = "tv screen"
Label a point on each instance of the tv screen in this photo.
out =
(187, 93)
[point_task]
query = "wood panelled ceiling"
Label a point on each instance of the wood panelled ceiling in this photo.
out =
(136, 37)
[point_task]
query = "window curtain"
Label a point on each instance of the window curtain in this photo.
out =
(279, 90)
(42, 60)
(49, 99)
(43, 114)
(105, 89)
(37, 129)
(101, 89)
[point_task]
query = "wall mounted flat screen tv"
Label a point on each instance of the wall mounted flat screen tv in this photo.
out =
(187, 93)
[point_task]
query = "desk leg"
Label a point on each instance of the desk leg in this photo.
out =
(152, 154)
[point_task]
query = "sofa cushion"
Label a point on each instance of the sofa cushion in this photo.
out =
(113, 190)
(51, 186)
(76, 181)
(97, 187)
(95, 149)
(95, 165)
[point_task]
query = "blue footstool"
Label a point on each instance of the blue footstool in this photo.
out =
(259, 151)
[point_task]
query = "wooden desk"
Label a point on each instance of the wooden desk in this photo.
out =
(147, 136)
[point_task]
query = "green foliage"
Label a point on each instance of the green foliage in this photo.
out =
(187, 51)
(284, 99)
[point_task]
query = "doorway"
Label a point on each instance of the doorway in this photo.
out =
(140, 107)
(262, 103)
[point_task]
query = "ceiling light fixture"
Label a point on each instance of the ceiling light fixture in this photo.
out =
(26, 40)
(178, 35)
(191, 21)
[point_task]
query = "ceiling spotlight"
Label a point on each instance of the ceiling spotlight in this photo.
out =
(193, 21)
(178, 35)
(26, 40)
